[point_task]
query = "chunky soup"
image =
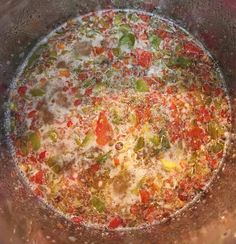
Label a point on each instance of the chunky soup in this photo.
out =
(119, 119)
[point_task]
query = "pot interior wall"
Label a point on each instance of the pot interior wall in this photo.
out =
(23, 218)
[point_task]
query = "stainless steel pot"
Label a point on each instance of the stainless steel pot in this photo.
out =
(23, 219)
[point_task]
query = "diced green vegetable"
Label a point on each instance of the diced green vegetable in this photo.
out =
(116, 119)
(141, 86)
(37, 92)
(165, 144)
(98, 204)
(217, 147)
(155, 41)
(102, 158)
(128, 40)
(52, 162)
(118, 18)
(116, 51)
(53, 54)
(155, 140)
(132, 118)
(77, 140)
(182, 62)
(125, 29)
(24, 148)
(35, 141)
(88, 139)
(140, 144)
(53, 135)
(56, 168)
(215, 130)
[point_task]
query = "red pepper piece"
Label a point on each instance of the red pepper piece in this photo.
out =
(42, 155)
(145, 196)
(77, 102)
(144, 58)
(95, 167)
(192, 49)
(104, 131)
(38, 178)
(77, 220)
(32, 114)
(115, 222)
(22, 90)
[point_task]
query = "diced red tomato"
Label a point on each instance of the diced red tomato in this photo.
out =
(150, 214)
(38, 192)
(104, 131)
(192, 49)
(134, 209)
(115, 222)
(69, 123)
(83, 76)
(88, 91)
(38, 178)
(116, 161)
(204, 115)
(143, 114)
(110, 55)
(211, 162)
(77, 102)
(32, 159)
(163, 34)
(196, 132)
(145, 196)
(168, 195)
(144, 58)
(207, 88)
(42, 155)
(144, 17)
(96, 100)
(32, 114)
(77, 220)
(22, 90)
(98, 50)
(95, 167)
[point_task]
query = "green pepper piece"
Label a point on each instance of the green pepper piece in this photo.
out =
(103, 157)
(116, 119)
(155, 41)
(34, 139)
(53, 54)
(53, 135)
(52, 163)
(214, 130)
(24, 147)
(37, 92)
(165, 144)
(88, 139)
(98, 204)
(141, 86)
(56, 169)
(182, 62)
(128, 40)
(217, 147)
(125, 29)
(155, 140)
(140, 144)
(116, 51)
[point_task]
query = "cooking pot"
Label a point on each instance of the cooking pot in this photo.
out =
(23, 218)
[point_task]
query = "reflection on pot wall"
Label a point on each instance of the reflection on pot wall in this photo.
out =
(22, 217)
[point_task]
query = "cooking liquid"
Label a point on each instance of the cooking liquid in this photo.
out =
(116, 125)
